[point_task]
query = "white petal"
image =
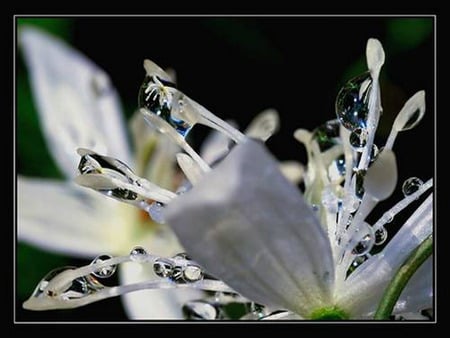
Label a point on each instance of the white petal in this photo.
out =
(61, 217)
(248, 226)
(364, 287)
(153, 304)
(418, 293)
(77, 104)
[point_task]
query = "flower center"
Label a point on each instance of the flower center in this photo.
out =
(329, 313)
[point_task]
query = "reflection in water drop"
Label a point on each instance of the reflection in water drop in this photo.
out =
(352, 102)
(106, 271)
(164, 100)
(380, 235)
(411, 185)
(163, 268)
(138, 254)
(358, 139)
(364, 245)
(327, 135)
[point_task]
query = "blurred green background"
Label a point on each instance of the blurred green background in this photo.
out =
(236, 67)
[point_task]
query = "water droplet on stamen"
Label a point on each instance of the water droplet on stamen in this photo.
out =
(138, 254)
(358, 139)
(352, 102)
(192, 273)
(164, 100)
(374, 153)
(327, 135)
(359, 184)
(106, 271)
(163, 268)
(411, 185)
(380, 235)
(364, 245)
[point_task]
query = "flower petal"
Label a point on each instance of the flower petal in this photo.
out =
(418, 293)
(61, 217)
(361, 292)
(154, 304)
(77, 104)
(248, 226)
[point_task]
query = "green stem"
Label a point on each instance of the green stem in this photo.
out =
(401, 278)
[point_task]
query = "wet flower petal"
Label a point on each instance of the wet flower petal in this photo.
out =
(77, 104)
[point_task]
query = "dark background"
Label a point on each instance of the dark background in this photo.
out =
(236, 67)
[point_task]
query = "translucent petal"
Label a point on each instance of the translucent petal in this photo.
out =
(248, 226)
(77, 104)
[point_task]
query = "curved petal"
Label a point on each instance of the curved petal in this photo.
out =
(61, 217)
(162, 304)
(361, 292)
(418, 293)
(248, 226)
(77, 104)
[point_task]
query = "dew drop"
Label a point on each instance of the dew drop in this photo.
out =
(161, 98)
(200, 310)
(106, 271)
(374, 153)
(364, 245)
(163, 268)
(138, 254)
(411, 185)
(192, 273)
(380, 235)
(327, 135)
(352, 102)
(358, 139)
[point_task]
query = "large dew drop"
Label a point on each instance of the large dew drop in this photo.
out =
(161, 98)
(352, 102)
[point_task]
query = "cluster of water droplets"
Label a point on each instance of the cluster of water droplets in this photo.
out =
(336, 150)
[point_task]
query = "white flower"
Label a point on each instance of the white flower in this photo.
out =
(254, 236)
(79, 107)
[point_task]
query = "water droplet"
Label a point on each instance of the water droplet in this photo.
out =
(76, 288)
(138, 254)
(182, 256)
(358, 139)
(356, 263)
(352, 102)
(257, 312)
(163, 268)
(350, 203)
(380, 235)
(177, 274)
(364, 245)
(164, 100)
(106, 271)
(411, 185)
(201, 310)
(86, 166)
(123, 194)
(336, 169)
(192, 273)
(327, 135)
(155, 210)
(374, 153)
